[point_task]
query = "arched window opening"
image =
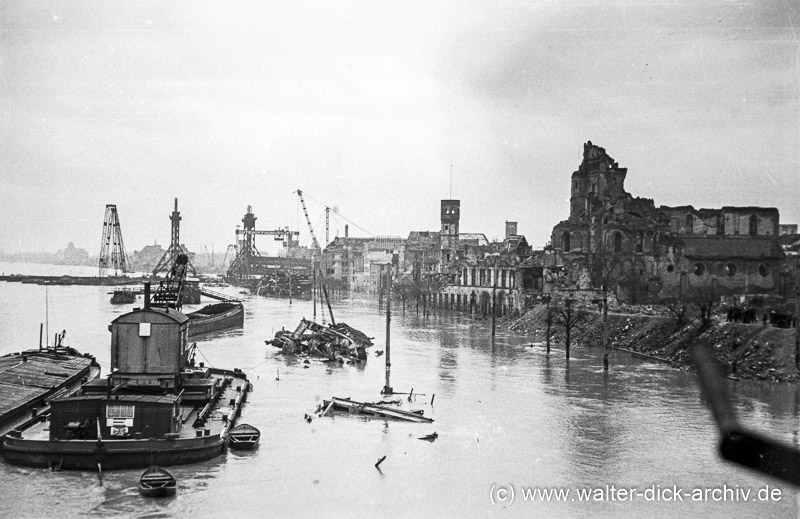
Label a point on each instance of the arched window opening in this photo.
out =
(577, 242)
(565, 245)
(689, 224)
(617, 242)
(753, 224)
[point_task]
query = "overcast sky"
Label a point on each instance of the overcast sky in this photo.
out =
(369, 106)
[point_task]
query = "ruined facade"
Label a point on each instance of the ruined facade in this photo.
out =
(646, 253)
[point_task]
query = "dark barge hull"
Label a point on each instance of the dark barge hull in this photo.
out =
(216, 317)
(111, 454)
(116, 454)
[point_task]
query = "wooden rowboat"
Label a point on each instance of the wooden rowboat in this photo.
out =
(157, 482)
(243, 437)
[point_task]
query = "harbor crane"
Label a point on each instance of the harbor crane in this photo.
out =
(308, 220)
(112, 250)
(175, 248)
(248, 261)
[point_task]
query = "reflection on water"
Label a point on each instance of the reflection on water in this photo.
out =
(506, 414)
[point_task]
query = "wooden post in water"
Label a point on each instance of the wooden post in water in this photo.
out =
(387, 389)
(41, 328)
(494, 303)
(314, 289)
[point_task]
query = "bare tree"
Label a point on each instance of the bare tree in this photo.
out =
(569, 316)
(705, 300)
(677, 307)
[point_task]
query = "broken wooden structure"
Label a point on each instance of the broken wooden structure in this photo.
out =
(332, 341)
(351, 407)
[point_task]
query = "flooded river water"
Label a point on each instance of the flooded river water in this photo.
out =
(509, 417)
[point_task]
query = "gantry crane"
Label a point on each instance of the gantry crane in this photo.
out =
(245, 262)
(112, 250)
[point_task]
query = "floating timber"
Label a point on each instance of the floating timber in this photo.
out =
(363, 408)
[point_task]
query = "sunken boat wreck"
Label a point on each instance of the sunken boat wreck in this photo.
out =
(155, 408)
(334, 341)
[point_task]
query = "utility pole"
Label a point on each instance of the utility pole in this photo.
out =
(494, 302)
(387, 389)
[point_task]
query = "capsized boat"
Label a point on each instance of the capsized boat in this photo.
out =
(156, 406)
(243, 437)
(156, 481)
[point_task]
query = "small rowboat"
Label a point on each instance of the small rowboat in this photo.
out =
(243, 437)
(157, 482)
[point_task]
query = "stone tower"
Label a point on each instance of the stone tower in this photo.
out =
(451, 212)
(598, 182)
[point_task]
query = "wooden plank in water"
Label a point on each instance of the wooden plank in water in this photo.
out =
(362, 407)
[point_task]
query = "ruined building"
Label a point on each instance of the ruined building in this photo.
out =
(646, 253)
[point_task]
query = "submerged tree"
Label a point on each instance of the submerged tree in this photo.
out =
(569, 316)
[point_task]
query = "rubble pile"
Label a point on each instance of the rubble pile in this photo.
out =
(752, 351)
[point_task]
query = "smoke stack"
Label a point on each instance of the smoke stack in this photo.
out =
(147, 295)
(346, 230)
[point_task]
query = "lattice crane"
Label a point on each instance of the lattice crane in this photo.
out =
(112, 250)
(308, 220)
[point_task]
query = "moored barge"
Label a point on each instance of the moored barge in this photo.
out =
(156, 406)
(31, 379)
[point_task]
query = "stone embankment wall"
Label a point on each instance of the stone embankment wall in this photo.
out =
(752, 351)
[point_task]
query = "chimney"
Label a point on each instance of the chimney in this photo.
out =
(346, 230)
(147, 295)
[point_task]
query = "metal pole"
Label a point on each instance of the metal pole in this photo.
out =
(387, 389)
(314, 288)
(494, 302)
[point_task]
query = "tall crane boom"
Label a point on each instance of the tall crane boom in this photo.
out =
(308, 220)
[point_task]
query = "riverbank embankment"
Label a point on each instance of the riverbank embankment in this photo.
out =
(752, 351)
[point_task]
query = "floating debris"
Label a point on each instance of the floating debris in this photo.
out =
(365, 408)
(332, 342)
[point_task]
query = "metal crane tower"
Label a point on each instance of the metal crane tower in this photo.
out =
(308, 220)
(175, 248)
(112, 250)
(245, 265)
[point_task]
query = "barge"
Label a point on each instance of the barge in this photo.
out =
(155, 408)
(216, 317)
(31, 379)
